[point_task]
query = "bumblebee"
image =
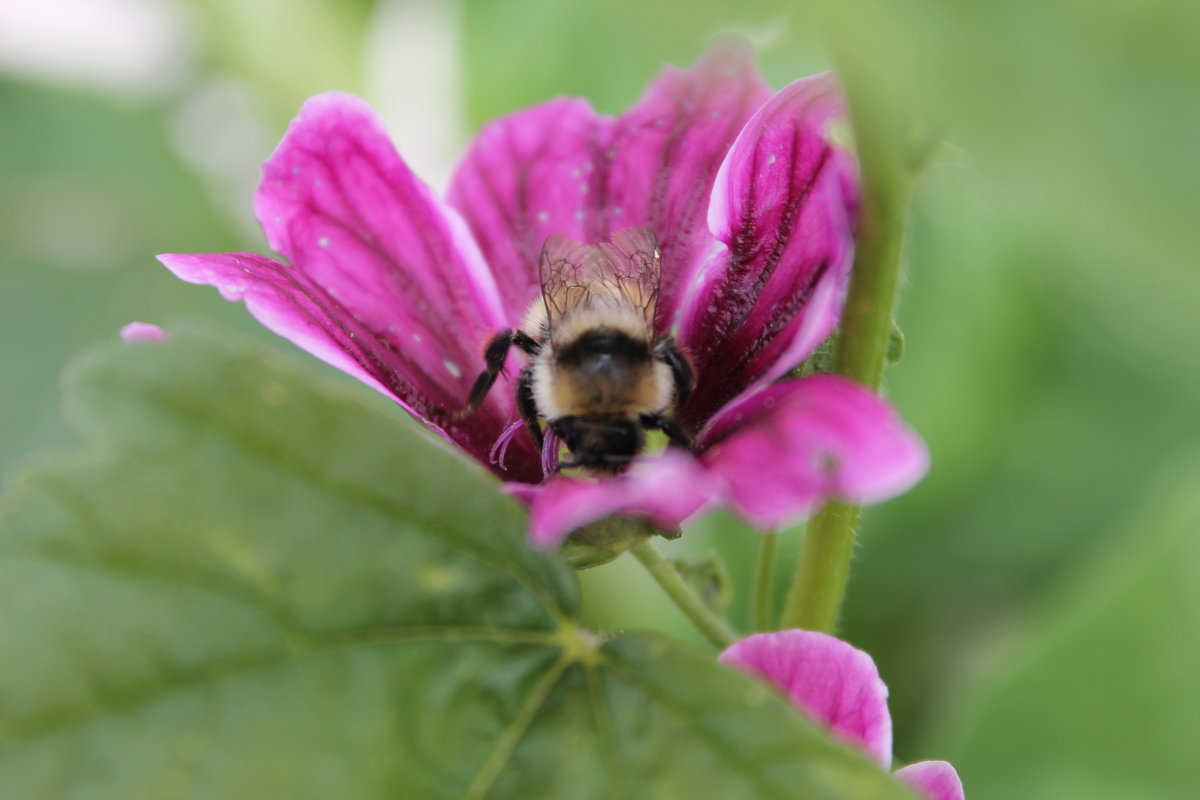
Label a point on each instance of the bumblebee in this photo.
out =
(598, 373)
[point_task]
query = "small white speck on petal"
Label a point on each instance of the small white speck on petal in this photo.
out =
(543, 216)
(417, 338)
(580, 215)
(771, 160)
(452, 368)
(618, 211)
(323, 241)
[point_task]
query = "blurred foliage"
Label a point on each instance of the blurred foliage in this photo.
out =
(89, 193)
(1111, 654)
(1049, 320)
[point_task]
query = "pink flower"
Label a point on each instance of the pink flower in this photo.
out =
(754, 208)
(838, 685)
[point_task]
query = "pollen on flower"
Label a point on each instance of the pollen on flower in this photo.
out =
(771, 159)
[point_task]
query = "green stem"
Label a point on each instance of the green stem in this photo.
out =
(764, 581)
(818, 586)
(714, 627)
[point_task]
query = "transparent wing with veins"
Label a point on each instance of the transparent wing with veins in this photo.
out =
(625, 270)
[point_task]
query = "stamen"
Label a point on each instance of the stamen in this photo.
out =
(500, 448)
(550, 447)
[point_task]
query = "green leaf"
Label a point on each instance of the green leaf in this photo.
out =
(1099, 699)
(250, 586)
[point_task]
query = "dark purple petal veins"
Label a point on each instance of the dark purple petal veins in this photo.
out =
(666, 152)
(784, 205)
(339, 203)
(381, 270)
(561, 168)
(291, 304)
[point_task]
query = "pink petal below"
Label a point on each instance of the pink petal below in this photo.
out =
(933, 780)
(144, 332)
(826, 678)
(786, 449)
(666, 490)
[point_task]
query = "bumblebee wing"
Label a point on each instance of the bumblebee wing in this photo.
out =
(567, 269)
(635, 269)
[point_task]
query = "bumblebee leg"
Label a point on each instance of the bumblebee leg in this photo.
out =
(681, 370)
(497, 351)
(670, 427)
(526, 342)
(527, 406)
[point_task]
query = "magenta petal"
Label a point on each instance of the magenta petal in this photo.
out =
(526, 176)
(560, 168)
(666, 490)
(788, 448)
(144, 332)
(337, 201)
(827, 678)
(290, 303)
(933, 780)
(784, 204)
(385, 283)
(667, 150)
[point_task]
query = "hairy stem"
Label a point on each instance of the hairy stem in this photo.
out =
(764, 581)
(710, 624)
(818, 586)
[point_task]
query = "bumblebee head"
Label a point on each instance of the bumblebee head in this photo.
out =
(605, 443)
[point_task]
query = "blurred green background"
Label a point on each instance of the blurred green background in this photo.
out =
(1034, 603)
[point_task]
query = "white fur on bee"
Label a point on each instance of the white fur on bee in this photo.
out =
(649, 390)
